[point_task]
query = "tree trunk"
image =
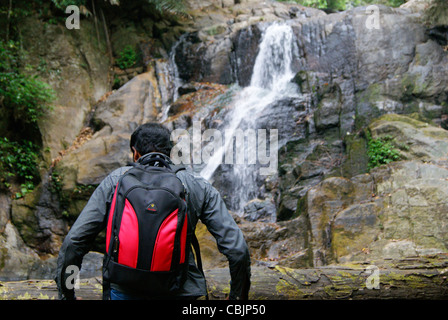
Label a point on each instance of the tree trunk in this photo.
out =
(280, 283)
(96, 23)
(8, 18)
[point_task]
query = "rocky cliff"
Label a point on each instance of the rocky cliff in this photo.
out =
(325, 205)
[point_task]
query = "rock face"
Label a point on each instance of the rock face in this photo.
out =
(348, 75)
(75, 67)
(115, 119)
(415, 139)
(394, 211)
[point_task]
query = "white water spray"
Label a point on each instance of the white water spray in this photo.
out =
(270, 82)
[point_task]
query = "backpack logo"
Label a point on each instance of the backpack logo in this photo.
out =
(152, 207)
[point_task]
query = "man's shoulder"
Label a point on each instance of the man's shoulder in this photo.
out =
(193, 181)
(115, 175)
(120, 171)
(191, 176)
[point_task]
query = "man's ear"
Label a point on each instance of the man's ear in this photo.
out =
(137, 155)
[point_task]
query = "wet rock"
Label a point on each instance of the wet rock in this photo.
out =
(260, 210)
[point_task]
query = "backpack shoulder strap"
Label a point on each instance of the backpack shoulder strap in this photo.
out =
(197, 251)
(177, 168)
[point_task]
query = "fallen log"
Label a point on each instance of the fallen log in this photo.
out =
(280, 283)
(405, 281)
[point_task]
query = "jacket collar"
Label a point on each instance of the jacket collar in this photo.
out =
(154, 155)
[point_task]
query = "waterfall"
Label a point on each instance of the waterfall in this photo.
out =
(272, 69)
(270, 82)
(174, 78)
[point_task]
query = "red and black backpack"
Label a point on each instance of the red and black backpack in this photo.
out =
(148, 231)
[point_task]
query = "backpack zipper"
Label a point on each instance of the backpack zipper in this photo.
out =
(149, 188)
(115, 244)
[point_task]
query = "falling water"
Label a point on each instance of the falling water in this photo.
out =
(174, 78)
(270, 82)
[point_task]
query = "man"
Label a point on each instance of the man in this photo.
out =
(204, 203)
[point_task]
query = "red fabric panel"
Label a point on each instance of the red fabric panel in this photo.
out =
(110, 218)
(183, 239)
(164, 246)
(128, 237)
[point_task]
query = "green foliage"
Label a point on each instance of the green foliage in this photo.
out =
(344, 4)
(62, 4)
(23, 100)
(325, 4)
(174, 7)
(55, 185)
(18, 161)
(66, 197)
(381, 151)
(320, 4)
(127, 58)
(26, 97)
(164, 7)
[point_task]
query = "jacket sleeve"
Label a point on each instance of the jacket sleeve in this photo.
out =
(229, 239)
(79, 239)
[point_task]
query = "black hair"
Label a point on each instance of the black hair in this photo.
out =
(151, 137)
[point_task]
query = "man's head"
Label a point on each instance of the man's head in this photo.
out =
(150, 137)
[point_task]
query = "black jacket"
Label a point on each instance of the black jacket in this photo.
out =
(204, 203)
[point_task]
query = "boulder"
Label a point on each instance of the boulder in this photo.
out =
(16, 258)
(415, 139)
(137, 102)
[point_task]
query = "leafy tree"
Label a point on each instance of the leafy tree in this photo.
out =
(24, 98)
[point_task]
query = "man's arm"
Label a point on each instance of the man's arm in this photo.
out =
(230, 241)
(78, 241)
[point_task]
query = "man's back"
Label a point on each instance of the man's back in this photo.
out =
(203, 202)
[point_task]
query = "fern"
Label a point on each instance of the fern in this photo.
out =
(173, 7)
